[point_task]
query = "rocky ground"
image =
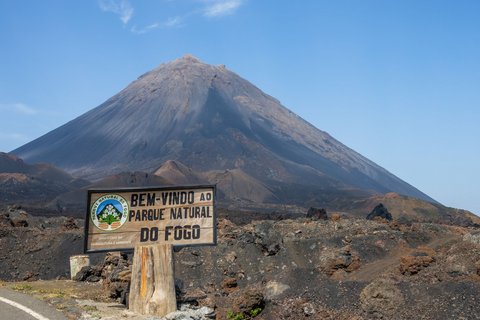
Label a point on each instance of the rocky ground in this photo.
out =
(264, 267)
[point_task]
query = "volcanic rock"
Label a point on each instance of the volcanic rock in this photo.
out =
(417, 260)
(380, 212)
(89, 274)
(249, 300)
(18, 217)
(268, 238)
(289, 281)
(317, 214)
(381, 298)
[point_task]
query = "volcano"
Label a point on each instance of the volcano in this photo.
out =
(212, 123)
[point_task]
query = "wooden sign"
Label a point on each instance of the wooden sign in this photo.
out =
(121, 219)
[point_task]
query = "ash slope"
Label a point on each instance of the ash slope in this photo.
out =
(208, 118)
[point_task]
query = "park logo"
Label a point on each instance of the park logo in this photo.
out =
(109, 212)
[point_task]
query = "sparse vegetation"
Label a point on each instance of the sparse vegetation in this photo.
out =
(235, 316)
(58, 294)
(88, 308)
(22, 287)
(42, 292)
(231, 315)
(255, 312)
(60, 306)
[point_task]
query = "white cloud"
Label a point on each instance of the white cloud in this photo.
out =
(171, 22)
(122, 8)
(206, 8)
(143, 30)
(18, 108)
(221, 7)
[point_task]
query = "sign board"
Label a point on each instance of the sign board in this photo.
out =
(120, 219)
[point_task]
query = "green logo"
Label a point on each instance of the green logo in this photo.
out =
(109, 212)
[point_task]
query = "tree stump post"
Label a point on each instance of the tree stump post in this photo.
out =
(152, 287)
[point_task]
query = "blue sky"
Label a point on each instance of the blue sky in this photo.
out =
(396, 81)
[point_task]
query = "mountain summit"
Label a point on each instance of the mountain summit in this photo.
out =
(208, 118)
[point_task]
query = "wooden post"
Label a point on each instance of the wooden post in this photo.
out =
(152, 287)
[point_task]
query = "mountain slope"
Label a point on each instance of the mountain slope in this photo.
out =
(237, 185)
(23, 183)
(208, 118)
(177, 173)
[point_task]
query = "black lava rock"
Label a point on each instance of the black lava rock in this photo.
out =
(380, 211)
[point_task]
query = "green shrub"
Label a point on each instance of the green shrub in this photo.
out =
(240, 316)
(235, 316)
(255, 312)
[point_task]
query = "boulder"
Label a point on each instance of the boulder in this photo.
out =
(267, 238)
(317, 214)
(380, 211)
(381, 299)
(186, 312)
(274, 289)
(248, 301)
(70, 224)
(116, 271)
(89, 274)
(341, 259)
(417, 260)
(473, 237)
(18, 217)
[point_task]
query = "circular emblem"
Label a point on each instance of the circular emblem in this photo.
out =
(109, 212)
